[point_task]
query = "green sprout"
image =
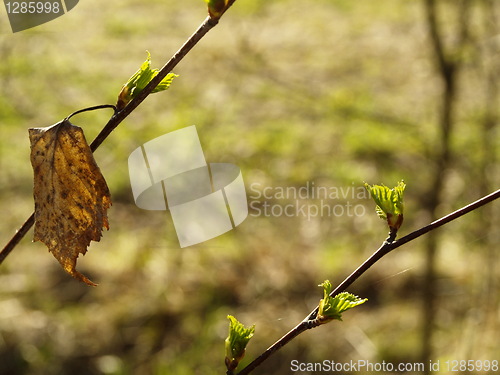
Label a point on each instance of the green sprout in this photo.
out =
(389, 202)
(216, 8)
(139, 81)
(236, 342)
(331, 308)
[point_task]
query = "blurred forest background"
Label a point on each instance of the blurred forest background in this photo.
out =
(327, 93)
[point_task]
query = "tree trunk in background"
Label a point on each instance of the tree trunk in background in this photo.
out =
(447, 69)
(487, 230)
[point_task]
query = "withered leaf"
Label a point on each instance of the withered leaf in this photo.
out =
(71, 195)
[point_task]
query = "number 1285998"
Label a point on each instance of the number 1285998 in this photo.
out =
(33, 7)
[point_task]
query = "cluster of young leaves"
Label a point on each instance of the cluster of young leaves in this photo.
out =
(236, 342)
(139, 81)
(331, 308)
(389, 202)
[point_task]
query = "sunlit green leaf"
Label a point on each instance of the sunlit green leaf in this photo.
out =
(236, 342)
(389, 203)
(331, 308)
(139, 81)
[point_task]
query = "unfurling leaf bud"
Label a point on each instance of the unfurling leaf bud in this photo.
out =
(236, 342)
(389, 203)
(331, 308)
(139, 81)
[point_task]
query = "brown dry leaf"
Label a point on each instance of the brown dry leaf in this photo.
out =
(71, 195)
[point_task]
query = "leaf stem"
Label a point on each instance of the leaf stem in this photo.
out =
(102, 106)
(311, 322)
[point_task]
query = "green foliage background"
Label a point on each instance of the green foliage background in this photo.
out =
(330, 93)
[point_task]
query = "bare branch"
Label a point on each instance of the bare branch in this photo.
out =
(310, 321)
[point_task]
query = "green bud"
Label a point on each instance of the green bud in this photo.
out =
(389, 203)
(236, 342)
(331, 308)
(139, 81)
(216, 7)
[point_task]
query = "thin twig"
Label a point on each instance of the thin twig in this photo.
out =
(202, 30)
(20, 233)
(311, 322)
(102, 106)
(118, 117)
